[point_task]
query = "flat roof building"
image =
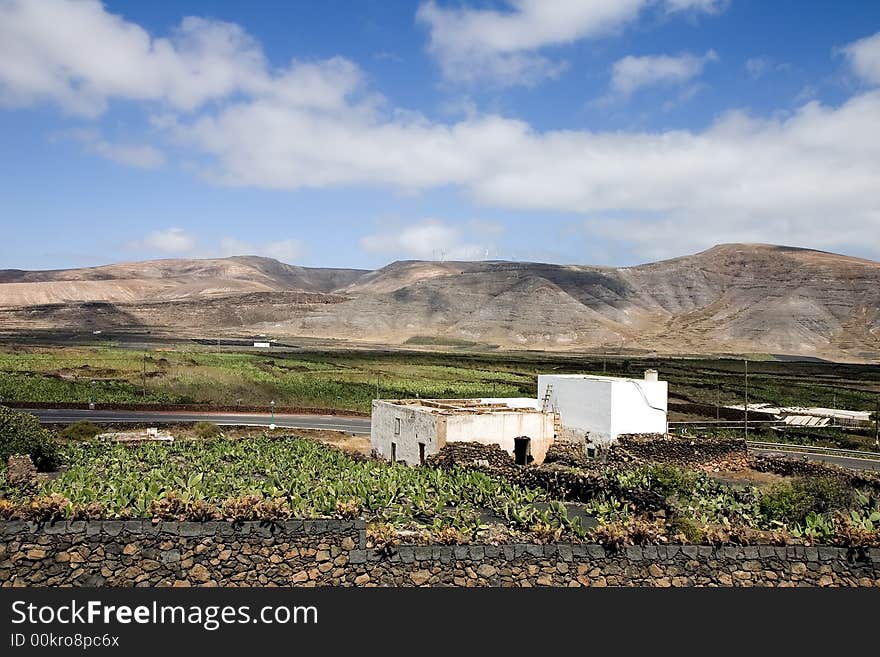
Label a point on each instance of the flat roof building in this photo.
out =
(411, 430)
(585, 409)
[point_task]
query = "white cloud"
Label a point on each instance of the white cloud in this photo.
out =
(170, 241)
(631, 73)
(706, 6)
(133, 155)
(809, 177)
(80, 56)
(758, 67)
(486, 44)
(864, 58)
(431, 239)
(143, 156)
(285, 250)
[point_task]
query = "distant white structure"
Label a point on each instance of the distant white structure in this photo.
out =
(152, 434)
(262, 345)
(411, 430)
(598, 409)
(812, 416)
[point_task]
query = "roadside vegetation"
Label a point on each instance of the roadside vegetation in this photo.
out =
(22, 434)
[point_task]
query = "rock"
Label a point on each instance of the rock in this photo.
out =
(420, 577)
(301, 576)
(130, 549)
(655, 570)
(20, 470)
(486, 571)
(347, 543)
(199, 573)
(36, 553)
(361, 580)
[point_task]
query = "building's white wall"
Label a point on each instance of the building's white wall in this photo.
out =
(605, 407)
(584, 405)
(635, 405)
(501, 428)
(416, 426)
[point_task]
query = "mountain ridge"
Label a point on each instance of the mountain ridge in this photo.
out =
(742, 298)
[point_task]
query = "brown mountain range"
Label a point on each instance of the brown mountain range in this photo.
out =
(734, 298)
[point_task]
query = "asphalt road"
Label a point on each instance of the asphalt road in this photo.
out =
(357, 425)
(848, 462)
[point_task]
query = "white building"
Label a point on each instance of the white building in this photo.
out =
(410, 430)
(601, 408)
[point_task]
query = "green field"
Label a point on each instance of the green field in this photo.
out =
(272, 479)
(350, 380)
(266, 478)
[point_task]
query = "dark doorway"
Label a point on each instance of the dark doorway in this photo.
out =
(522, 448)
(394, 452)
(422, 453)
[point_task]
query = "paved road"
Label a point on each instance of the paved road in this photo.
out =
(848, 462)
(357, 425)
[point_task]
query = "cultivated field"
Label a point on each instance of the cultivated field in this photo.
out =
(277, 478)
(350, 380)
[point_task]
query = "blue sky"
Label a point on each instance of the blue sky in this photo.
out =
(356, 133)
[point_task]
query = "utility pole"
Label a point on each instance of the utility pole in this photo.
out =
(144, 378)
(717, 409)
(877, 424)
(834, 406)
(377, 386)
(746, 416)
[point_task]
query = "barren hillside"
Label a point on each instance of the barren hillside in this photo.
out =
(731, 298)
(159, 280)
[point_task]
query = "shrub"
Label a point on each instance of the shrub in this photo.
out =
(670, 480)
(791, 503)
(81, 430)
(205, 430)
(688, 529)
(21, 433)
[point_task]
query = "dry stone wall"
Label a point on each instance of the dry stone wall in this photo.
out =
(334, 553)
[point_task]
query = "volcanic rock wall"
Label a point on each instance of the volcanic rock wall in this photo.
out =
(334, 553)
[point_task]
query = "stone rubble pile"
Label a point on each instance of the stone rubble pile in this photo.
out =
(676, 450)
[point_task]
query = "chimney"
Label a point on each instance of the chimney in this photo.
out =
(651, 375)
